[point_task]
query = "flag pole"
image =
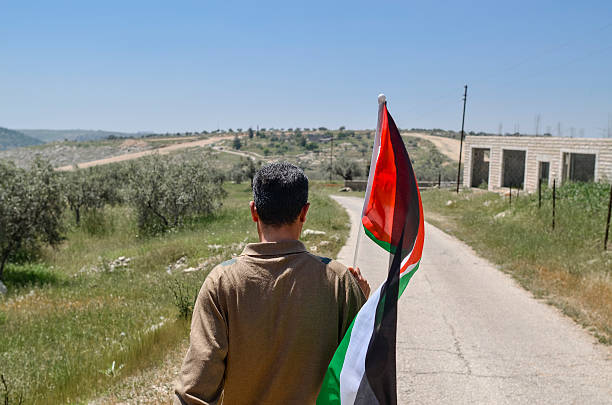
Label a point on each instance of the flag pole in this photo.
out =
(382, 100)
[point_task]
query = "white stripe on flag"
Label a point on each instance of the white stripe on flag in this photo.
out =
(354, 361)
(353, 368)
(375, 152)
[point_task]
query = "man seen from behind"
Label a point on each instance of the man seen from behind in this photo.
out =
(267, 323)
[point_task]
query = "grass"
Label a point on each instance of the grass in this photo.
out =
(72, 325)
(567, 267)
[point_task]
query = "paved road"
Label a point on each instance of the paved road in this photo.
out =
(468, 334)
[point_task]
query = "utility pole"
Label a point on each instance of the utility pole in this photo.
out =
(461, 142)
(537, 125)
(331, 157)
(558, 128)
(608, 221)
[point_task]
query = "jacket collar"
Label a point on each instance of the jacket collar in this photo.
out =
(274, 248)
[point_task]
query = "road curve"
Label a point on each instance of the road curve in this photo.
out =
(467, 333)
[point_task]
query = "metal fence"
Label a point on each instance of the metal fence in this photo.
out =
(360, 185)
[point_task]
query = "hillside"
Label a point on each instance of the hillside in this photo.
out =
(446, 145)
(51, 135)
(308, 148)
(13, 139)
(311, 150)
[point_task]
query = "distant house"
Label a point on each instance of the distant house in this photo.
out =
(522, 161)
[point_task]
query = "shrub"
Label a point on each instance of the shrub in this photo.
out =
(183, 300)
(30, 209)
(312, 146)
(165, 192)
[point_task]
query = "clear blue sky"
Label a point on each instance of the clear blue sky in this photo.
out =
(185, 66)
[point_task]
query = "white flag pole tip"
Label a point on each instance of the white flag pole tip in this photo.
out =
(381, 98)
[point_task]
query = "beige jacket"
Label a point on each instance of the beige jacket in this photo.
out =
(265, 326)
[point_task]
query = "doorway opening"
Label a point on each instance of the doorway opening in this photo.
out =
(513, 168)
(480, 167)
(543, 173)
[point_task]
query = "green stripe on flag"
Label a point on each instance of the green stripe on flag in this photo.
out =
(403, 283)
(406, 278)
(330, 390)
(385, 245)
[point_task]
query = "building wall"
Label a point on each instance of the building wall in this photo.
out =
(548, 149)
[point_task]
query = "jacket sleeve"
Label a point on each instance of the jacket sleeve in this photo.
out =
(352, 303)
(200, 381)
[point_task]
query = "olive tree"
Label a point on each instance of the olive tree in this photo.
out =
(237, 174)
(245, 169)
(165, 192)
(249, 168)
(90, 189)
(31, 209)
(236, 143)
(346, 168)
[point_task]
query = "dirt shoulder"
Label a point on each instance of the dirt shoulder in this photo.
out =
(153, 385)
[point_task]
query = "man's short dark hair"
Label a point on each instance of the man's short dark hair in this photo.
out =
(280, 191)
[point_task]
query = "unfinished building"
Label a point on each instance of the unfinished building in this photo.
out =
(497, 162)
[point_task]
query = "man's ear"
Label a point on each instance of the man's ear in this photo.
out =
(303, 213)
(254, 211)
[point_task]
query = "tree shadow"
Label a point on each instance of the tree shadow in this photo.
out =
(29, 275)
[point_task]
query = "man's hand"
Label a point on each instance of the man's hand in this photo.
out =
(363, 283)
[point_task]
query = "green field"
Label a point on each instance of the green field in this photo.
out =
(69, 315)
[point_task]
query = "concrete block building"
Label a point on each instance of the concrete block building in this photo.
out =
(522, 161)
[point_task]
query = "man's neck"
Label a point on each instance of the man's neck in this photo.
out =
(280, 233)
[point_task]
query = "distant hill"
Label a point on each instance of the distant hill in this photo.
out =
(50, 135)
(14, 139)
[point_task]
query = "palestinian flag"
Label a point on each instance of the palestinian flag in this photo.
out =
(362, 370)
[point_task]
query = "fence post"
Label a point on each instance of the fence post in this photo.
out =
(608, 221)
(439, 179)
(540, 193)
(518, 190)
(510, 195)
(554, 201)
